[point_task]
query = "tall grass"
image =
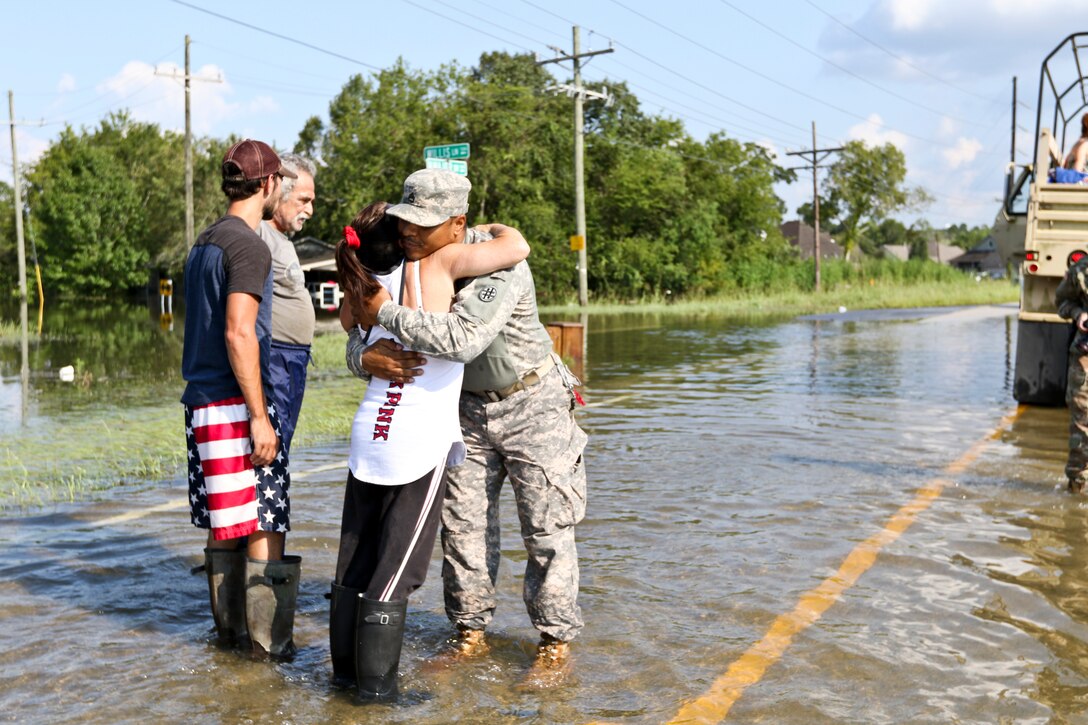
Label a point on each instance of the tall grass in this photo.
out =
(76, 456)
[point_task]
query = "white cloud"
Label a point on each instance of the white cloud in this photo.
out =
(263, 104)
(67, 82)
(874, 133)
(947, 127)
(964, 152)
(29, 148)
(910, 14)
(956, 41)
(157, 95)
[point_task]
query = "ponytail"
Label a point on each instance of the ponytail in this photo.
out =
(370, 246)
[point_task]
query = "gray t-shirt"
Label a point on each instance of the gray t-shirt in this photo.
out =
(292, 308)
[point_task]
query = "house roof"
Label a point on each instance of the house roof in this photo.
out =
(314, 254)
(803, 237)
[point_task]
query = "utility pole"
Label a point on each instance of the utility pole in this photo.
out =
(188, 77)
(580, 94)
(1012, 150)
(817, 155)
(24, 370)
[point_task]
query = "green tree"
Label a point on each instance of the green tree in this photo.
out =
(522, 160)
(377, 129)
(8, 254)
(107, 204)
(966, 237)
(866, 184)
(828, 213)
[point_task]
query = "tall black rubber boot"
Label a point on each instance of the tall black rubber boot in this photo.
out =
(379, 633)
(342, 609)
(226, 570)
(271, 596)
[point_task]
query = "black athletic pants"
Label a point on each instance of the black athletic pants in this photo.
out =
(387, 535)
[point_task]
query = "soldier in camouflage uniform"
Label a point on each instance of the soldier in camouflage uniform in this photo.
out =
(1072, 300)
(517, 419)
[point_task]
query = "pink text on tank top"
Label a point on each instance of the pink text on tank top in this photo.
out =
(385, 413)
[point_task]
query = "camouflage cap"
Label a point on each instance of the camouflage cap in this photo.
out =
(431, 196)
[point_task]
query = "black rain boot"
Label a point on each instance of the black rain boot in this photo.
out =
(379, 633)
(342, 608)
(226, 570)
(271, 595)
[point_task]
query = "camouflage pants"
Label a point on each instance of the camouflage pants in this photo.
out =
(1076, 397)
(532, 437)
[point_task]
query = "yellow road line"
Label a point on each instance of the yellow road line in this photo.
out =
(714, 705)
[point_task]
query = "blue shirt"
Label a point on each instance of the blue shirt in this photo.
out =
(228, 257)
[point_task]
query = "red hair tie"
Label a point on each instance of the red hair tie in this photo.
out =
(351, 237)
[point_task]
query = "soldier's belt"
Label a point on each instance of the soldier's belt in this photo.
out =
(531, 378)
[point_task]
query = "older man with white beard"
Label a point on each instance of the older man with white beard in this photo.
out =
(292, 308)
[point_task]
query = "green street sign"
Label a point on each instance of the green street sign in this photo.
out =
(457, 167)
(448, 151)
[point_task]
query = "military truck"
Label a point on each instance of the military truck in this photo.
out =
(1042, 227)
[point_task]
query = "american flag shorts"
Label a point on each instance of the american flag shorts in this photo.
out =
(226, 493)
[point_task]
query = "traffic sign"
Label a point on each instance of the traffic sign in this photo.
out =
(457, 167)
(577, 242)
(447, 151)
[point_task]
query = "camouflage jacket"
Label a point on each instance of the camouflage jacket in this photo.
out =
(1072, 294)
(501, 302)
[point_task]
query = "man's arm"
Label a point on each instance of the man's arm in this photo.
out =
(479, 313)
(244, 354)
(384, 359)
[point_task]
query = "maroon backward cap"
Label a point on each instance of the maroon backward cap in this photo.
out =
(249, 159)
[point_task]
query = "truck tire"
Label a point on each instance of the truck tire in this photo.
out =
(1042, 354)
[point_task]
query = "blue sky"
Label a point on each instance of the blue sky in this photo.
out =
(932, 76)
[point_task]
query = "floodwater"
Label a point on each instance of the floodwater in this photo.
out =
(733, 468)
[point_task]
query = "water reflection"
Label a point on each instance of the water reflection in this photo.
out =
(732, 467)
(121, 355)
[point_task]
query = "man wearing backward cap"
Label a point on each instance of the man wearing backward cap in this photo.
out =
(238, 478)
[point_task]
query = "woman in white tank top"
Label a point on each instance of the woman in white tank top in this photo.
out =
(403, 437)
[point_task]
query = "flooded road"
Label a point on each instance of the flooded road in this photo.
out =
(734, 470)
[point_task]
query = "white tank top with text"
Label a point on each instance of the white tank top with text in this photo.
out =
(402, 431)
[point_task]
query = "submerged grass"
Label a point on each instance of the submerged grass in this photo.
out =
(9, 332)
(72, 457)
(876, 294)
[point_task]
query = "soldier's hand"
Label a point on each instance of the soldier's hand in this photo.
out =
(1082, 322)
(390, 361)
(265, 441)
(368, 315)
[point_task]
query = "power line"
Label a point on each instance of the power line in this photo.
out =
(505, 12)
(71, 115)
(463, 24)
(265, 85)
(265, 63)
(276, 35)
(768, 28)
(549, 12)
(718, 123)
(767, 77)
(492, 22)
(763, 117)
(901, 59)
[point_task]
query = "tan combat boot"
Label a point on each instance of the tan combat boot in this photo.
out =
(470, 643)
(551, 667)
(466, 644)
